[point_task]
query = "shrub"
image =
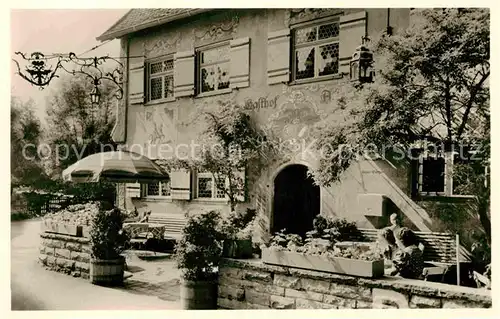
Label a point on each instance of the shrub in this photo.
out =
(198, 252)
(107, 239)
(17, 216)
(338, 229)
(239, 225)
(341, 230)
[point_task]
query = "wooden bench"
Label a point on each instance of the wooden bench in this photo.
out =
(440, 249)
(173, 224)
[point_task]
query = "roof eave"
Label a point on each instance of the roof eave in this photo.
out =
(118, 34)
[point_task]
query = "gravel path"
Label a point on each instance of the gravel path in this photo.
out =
(154, 285)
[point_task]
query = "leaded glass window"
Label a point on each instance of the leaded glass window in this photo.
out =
(205, 187)
(208, 187)
(316, 51)
(214, 64)
(161, 79)
(158, 189)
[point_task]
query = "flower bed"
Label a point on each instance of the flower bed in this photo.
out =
(51, 226)
(323, 250)
(339, 265)
(75, 220)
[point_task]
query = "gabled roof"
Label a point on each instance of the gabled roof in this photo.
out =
(140, 19)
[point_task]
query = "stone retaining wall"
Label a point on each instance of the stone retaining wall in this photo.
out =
(250, 284)
(67, 254)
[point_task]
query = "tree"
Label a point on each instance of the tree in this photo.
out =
(231, 145)
(26, 133)
(76, 127)
(431, 84)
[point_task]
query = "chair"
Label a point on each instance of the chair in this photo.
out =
(138, 232)
(481, 280)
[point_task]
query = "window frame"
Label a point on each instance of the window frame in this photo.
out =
(147, 196)
(316, 44)
(449, 160)
(420, 174)
(213, 190)
(162, 75)
(198, 66)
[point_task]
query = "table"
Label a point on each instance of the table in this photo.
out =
(157, 231)
(136, 229)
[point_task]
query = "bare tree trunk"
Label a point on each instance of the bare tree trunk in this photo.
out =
(482, 211)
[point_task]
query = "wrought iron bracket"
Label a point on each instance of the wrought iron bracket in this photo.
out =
(41, 69)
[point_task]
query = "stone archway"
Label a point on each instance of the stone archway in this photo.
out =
(296, 200)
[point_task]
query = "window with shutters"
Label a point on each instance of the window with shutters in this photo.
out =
(315, 51)
(208, 188)
(160, 79)
(160, 189)
(213, 68)
(435, 172)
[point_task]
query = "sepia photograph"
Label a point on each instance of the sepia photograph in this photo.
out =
(250, 158)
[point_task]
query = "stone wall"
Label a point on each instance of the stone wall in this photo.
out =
(66, 254)
(250, 284)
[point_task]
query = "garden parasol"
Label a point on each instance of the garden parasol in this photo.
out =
(115, 166)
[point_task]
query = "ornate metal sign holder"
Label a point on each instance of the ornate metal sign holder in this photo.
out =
(40, 69)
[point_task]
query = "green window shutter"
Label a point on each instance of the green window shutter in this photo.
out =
(240, 63)
(278, 57)
(133, 190)
(136, 81)
(184, 71)
(180, 184)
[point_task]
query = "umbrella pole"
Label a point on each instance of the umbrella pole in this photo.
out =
(121, 195)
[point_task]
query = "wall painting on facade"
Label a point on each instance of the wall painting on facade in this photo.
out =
(295, 113)
(158, 126)
(218, 30)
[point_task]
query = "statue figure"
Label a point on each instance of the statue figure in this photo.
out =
(408, 261)
(386, 243)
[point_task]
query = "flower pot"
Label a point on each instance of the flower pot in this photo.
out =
(237, 248)
(338, 265)
(107, 272)
(201, 294)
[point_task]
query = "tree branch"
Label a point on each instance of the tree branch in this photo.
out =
(447, 105)
(473, 92)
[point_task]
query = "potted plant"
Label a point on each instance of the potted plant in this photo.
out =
(107, 242)
(238, 229)
(198, 254)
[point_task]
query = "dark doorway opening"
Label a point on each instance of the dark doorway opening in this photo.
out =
(296, 200)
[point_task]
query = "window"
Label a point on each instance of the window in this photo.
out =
(213, 69)
(435, 176)
(207, 187)
(160, 79)
(316, 51)
(432, 174)
(160, 189)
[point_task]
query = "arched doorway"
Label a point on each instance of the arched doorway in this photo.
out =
(296, 200)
